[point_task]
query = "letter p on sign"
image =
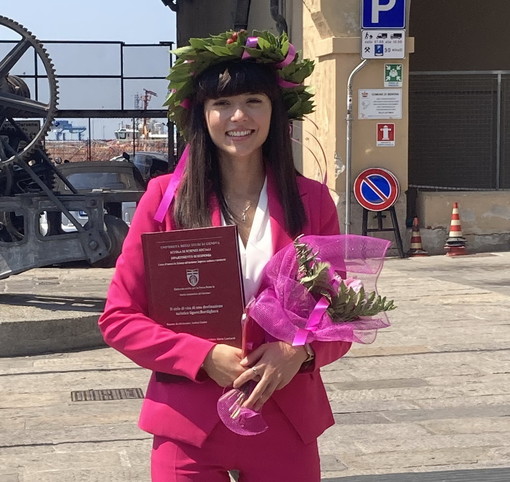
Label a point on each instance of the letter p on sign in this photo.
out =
(377, 7)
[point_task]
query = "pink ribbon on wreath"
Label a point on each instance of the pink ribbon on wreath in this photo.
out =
(312, 323)
(291, 54)
(286, 84)
(251, 42)
(172, 186)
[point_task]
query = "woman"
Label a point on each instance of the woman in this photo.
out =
(233, 104)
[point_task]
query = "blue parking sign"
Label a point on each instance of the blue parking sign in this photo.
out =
(383, 14)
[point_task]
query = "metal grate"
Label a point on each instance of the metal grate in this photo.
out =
(453, 130)
(504, 172)
(106, 394)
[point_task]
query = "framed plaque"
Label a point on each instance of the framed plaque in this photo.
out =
(194, 282)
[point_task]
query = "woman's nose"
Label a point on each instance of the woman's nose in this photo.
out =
(238, 113)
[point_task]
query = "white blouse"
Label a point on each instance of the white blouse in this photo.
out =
(259, 247)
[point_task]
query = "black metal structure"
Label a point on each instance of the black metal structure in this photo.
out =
(380, 228)
(196, 19)
(27, 177)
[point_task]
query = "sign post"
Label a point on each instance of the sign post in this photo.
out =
(377, 190)
(383, 24)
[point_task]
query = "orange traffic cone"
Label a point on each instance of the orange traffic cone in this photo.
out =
(456, 243)
(416, 247)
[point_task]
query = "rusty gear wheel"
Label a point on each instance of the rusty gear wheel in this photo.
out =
(15, 100)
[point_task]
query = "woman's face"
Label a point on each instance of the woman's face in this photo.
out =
(239, 124)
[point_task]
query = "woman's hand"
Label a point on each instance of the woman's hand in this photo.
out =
(272, 365)
(222, 364)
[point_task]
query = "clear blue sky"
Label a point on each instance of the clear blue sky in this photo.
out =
(131, 21)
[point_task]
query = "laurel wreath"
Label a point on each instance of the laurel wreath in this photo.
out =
(202, 53)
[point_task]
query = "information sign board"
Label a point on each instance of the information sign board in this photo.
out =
(383, 44)
(380, 104)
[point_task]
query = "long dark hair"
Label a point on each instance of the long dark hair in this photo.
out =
(203, 179)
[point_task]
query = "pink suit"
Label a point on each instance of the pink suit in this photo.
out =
(185, 410)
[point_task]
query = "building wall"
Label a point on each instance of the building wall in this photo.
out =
(460, 34)
(463, 35)
(332, 36)
(484, 217)
(452, 35)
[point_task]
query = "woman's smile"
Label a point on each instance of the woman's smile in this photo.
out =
(239, 124)
(243, 133)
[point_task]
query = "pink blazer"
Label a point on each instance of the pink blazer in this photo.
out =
(186, 409)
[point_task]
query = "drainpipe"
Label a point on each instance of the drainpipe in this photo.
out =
(281, 23)
(348, 147)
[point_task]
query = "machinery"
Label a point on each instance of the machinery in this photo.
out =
(28, 177)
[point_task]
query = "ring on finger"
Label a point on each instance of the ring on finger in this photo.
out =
(254, 370)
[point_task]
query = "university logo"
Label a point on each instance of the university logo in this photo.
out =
(193, 276)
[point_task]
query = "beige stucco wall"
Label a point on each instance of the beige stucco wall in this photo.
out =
(332, 36)
(484, 216)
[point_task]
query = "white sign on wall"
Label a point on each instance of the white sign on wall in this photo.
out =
(380, 104)
(383, 44)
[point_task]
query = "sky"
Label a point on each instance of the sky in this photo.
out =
(129, 21)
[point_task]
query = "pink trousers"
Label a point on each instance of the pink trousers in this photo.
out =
(276, 455)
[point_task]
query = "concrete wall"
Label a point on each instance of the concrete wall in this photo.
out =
(485, 219)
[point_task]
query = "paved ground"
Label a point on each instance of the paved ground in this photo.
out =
(429, 400)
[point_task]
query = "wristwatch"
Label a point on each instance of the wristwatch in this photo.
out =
(309, 351)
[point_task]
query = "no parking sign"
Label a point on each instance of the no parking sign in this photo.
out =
(376, 189)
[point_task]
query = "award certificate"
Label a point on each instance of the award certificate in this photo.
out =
(193, 279)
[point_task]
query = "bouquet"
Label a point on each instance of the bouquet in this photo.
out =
(320, 288)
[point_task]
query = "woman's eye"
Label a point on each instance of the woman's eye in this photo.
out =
(220, 102)
(255, 100)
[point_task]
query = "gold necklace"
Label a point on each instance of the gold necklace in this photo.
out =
(245, 211)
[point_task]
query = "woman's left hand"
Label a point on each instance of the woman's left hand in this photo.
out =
(273, 365)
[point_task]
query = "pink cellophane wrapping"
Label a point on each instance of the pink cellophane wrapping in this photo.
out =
(283, 305)
(242, 421)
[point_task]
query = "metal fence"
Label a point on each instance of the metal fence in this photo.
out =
(459, 130)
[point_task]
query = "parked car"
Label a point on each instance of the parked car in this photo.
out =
(150, 164)
(121, 186)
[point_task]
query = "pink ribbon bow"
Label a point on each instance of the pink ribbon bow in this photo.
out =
(312, 323)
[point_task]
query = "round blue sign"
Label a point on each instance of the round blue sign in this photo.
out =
(376, 189)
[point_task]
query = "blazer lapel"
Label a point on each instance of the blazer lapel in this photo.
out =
(276, 216)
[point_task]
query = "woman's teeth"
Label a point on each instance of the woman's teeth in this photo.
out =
(238, 133)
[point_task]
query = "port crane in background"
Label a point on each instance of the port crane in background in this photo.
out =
(60, 127)
(142, 102)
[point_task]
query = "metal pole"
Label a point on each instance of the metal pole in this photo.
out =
(347, 220)
(498, 132)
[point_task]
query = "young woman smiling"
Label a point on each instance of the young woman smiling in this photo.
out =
(233, 108)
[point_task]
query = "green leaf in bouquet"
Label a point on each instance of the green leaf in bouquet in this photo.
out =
(349, 305)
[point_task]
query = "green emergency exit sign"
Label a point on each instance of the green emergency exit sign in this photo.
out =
(393, 75)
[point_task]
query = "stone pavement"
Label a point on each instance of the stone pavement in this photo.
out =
(428, 401)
